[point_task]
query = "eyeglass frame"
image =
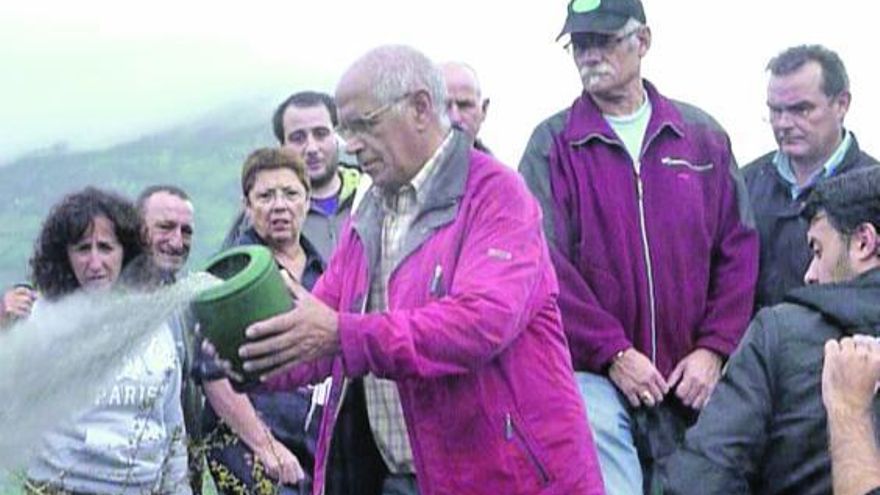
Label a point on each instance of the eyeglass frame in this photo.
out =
(613, 41)
(366, 122)
(286, 195)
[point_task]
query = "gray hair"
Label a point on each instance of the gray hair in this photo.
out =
(632, 24)
(467, 67)
(399, 69)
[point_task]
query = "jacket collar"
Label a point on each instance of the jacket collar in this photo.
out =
(313, 257)
(784, 170)
(349, 180)
(850, 161)
(850, 305)
(586, 123)
(851, 158)
(442, 194)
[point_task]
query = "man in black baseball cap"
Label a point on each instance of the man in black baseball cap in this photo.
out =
(656, 277)
(601, 16)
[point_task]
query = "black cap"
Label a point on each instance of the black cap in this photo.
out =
(601, 16)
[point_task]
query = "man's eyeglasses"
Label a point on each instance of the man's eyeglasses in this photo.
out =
(364, 124)
(581, 42)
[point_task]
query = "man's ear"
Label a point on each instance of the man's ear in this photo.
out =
(145, 234)
(423, 106)
(865, 242)
(485, 107)
(843, 101)
(644, 41)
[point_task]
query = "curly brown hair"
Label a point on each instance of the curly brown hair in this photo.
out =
(67, 222)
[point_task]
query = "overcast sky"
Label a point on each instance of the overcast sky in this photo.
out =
(92, 73)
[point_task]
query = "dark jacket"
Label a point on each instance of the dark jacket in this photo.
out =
(764, 430)
(664, 260)
(472, 337)
(784, 250)
(287, 414)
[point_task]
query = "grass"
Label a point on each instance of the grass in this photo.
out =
(11, 487)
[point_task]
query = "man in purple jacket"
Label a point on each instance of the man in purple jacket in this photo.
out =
(652, 239)
(442, 295)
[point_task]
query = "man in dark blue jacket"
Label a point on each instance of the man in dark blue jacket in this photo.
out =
(807, 98)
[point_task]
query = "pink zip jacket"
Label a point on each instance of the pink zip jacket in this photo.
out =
(473, 338)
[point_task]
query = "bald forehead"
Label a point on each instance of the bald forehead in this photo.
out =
(163, 202)
(458, 75)
(354, 83)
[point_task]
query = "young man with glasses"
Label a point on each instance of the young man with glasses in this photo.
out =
(652, 239)
(807, 99)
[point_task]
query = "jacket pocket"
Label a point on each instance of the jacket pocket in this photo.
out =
(513, 433)
(681, 162)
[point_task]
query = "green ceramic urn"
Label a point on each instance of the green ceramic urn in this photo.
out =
(252, 290)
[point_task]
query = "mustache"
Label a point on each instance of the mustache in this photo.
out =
(594, 70)
(786, 134)
(181, 251)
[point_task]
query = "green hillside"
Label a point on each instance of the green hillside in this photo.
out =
(204, 158)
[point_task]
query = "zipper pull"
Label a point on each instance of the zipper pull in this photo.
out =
(639, 189)
(436, 280)
(508, 427)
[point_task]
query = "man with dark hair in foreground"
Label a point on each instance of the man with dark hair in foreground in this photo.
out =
(764, 431)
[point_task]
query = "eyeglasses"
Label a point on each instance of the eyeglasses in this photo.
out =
(287, 195)
(364, 124)
(581, 42)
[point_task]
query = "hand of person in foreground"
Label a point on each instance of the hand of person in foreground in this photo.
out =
(16, 303)
(307, 332)
(849, 386)
(280, 463)
(637, 378)
(695, 377)
(850, 374)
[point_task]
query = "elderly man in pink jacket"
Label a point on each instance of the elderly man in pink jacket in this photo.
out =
(442, 297)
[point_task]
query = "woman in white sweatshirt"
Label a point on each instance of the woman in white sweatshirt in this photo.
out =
(132, 440)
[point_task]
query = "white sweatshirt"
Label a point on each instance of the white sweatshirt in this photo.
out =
(133, 440)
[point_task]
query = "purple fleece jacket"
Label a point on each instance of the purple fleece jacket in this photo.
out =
(664, 260)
